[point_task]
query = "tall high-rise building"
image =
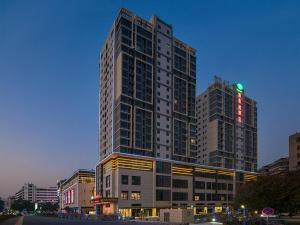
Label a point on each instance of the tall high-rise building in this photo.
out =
(294, 152)
(147, 91)
(147, 125)
(226, 127)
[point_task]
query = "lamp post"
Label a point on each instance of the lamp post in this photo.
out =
(244, 214)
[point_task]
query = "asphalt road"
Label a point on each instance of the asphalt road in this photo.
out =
(36, 220)
(11, 221)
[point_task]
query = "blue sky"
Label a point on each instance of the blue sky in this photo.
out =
(49, 56)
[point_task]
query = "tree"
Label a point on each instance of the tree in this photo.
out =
(22, 205)
(281, 192)
(48, 206)
(1, 205)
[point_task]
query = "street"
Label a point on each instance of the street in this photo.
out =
(37, 220)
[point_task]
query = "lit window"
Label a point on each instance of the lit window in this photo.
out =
(193, 141)
(69, 197)
(124, 195)
(72, 196)
(136, 195)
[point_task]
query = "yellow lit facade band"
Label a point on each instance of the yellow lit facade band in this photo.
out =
(128, 163)
(182, 171)
(250, 177)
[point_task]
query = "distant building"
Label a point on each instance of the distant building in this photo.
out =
(10, 201)
(280, 166)
(32, 193)
(294, 152)
(226, 127)
(78, 191)
(59, 192)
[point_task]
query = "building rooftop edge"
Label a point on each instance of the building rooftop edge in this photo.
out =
(76, 172)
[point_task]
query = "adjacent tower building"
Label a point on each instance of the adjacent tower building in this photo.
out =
(227, 127)
(294, 152)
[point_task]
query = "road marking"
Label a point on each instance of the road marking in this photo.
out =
(20, 221)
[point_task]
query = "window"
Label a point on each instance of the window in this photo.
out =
(107, 181)
(178, 183)
(136, 180)
(136, 195)
(163, 195)
(180, 196)
(72, 196)
(199, 184)
(199, 197)
(124, 179)
(208, 197)
(107, 193)
(163, 167)
(230, 187)
(163, 181)
(208, 185)
(124, 195)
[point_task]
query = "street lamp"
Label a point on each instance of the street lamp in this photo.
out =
(244, 214)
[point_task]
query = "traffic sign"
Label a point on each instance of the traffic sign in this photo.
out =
(267, 211)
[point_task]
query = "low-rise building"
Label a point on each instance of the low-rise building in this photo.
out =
(78, 191)
(280, 166)
(32, 193)
(141, 186)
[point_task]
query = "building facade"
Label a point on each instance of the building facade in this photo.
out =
(147, 125)
(32, 193)
(140, 186)
(147, 91)
(226, 127)
(280, 166)
(294, 152)
(77, 192)
(59, 193)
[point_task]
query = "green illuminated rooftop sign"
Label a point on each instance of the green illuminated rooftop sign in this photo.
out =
(239, 87)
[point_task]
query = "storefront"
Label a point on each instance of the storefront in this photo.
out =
(105, 206)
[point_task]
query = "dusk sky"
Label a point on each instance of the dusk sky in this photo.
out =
(49, 74)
